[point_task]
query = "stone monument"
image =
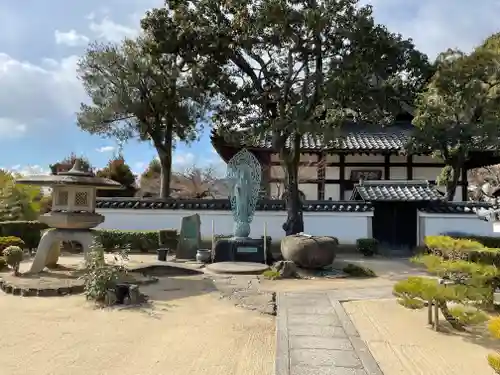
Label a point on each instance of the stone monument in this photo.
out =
(72, 214)
(244, 175)
(189, 237)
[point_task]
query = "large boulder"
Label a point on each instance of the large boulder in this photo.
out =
(309, 251)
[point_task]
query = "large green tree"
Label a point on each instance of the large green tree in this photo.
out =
(135, 94)
(18, 202)
(291, 67)
(119, 171)
(459, 111)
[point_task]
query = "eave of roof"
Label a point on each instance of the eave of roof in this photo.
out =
(393, 191)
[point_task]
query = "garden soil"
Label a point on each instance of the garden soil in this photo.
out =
(181, 333)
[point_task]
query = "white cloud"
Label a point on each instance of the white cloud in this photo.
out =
(111, 31)
(9, 128)
(70, 38)
(436, 26)
(183, 160)
(30, 93)
(27, 170)
(106, 149)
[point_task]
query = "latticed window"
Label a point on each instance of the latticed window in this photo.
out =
(81, 199)
(62, 198)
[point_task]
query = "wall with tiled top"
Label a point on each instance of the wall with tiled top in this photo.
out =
(346, 226)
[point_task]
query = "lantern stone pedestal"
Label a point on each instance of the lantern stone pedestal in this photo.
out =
(48, 251)
(73, 212)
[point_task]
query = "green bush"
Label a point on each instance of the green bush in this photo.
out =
(99, 276)
(486, 241)
(5, 242)
(111, 239)
(358, 271)
(29, 231)
(14, 256)
(468, 315)
(3, 263)
(367, 246)
(462, 249)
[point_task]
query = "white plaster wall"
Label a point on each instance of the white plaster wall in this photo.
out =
(398, 173)
(332, 191)
(426, 173)
(426, 159)
(364, 158)
(436, 224)
(398, 158)
(347, 227)
(310, 191)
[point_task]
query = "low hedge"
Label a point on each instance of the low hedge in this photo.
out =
(450, 248)
(367, 246)
(111, 239)
(29, 231)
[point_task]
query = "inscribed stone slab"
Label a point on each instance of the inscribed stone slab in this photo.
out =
(189, 237)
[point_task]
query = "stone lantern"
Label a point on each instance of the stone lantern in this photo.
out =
(72, 214)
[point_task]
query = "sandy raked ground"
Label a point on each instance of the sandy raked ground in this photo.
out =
(403, 344)
(181, 335)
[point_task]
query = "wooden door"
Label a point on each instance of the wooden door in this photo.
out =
(395, 226)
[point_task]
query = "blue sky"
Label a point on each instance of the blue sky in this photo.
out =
(40, 43)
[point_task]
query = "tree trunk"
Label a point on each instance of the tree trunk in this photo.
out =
(295, 221)
(165, 155)
(452, 182)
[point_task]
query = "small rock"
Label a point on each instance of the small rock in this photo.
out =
(134, 295)
(110, 298)
(286, 269)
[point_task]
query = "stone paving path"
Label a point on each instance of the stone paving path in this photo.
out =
(316, 337)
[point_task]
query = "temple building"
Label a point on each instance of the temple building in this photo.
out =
(367, 163)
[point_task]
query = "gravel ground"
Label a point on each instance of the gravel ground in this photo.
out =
(187, 330)
(402, 343)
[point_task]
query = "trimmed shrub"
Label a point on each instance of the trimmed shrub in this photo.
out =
(486, 241)
(367, 246)
(5, 242)
(111, 240)
(462, 249)
(29, 231)
(3, 263)
(468, 315)
(494, 358)
(14, 256)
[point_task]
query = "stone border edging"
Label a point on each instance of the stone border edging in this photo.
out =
(369, 363)
(22, 291)
(282, 360)
(16, 290)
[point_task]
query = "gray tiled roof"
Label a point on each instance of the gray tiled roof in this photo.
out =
(355, 137)
(223, 204)
(455, 207)
(396, 191)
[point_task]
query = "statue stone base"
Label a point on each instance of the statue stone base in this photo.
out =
(238, 249)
